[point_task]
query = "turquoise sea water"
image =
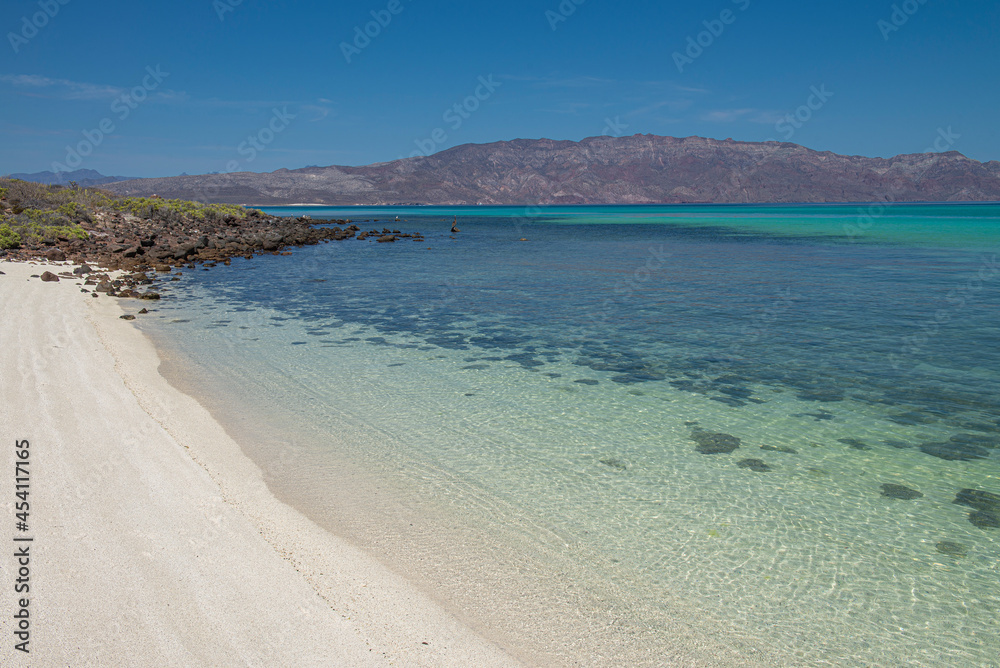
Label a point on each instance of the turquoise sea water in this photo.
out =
(726, 434)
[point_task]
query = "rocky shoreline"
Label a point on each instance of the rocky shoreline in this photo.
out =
(120, 253)
(122, 242)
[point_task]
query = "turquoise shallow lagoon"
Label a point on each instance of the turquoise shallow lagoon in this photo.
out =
(721, 435)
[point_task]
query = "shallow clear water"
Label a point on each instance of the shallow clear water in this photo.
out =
(557, 396)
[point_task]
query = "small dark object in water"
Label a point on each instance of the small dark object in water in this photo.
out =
(587, 381)
(454, 226)
(824, 395)
(986, 504)
(893, 491)
(127, 317)
(821, 415)
(980, 440)
(757, 465)
(614, 463)
(911, 418)
(779, 448)
(711, 443)
(985, 520)
(979, 500)
(951, 549)
(854, 443)
(952, 451)
(729, 401)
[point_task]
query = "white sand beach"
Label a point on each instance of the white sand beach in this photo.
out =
(155, 540)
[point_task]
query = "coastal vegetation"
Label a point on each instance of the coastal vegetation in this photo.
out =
(88, 225)
(34, 213)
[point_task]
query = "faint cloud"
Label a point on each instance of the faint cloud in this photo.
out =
(64, 89)
(767, 117)
(570, 108)
(725, 115)
(750, 115)
(560, 82)
(688, 89)
(578, 82)
(318, 112)
(669, 105)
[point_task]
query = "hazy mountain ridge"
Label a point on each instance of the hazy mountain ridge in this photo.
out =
(85, 178)
(627, 170)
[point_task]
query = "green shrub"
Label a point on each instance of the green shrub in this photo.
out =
(8, 237)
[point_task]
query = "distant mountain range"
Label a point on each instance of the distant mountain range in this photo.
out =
(85, 178)
(599, 170)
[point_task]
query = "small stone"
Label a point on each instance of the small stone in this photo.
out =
(49, 277)
(143, 312)
(893, 491)
(127, 317)
(757, 465)
(615, 463)
(55, 255)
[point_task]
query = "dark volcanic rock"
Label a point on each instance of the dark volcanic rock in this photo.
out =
(985, 520)
(127, 317)
(953, 451)
(986, 505)
(55, 255)
(893, 491)
(49, 277)
(757, 465)
(712, 443)
(980, 500)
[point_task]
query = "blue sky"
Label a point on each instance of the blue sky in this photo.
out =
(196, 86)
